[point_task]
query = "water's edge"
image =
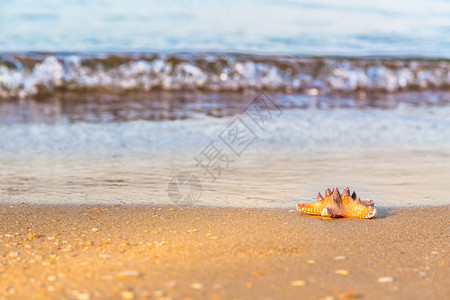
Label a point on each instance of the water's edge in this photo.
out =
(25, 75)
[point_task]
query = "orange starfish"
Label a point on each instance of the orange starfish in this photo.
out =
(336, 205)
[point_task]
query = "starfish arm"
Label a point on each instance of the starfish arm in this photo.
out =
(332, 212)
(360, 211)
(311, 208)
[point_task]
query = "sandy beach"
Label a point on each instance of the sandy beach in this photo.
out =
(147, 252)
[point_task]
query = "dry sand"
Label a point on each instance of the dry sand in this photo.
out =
(140, 252)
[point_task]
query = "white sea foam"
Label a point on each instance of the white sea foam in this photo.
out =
(220, 73)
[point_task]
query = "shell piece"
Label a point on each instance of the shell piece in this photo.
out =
(336, 205)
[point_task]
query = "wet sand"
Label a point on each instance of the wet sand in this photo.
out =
(140, 252)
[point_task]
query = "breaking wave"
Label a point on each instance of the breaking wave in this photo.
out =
(31, 75)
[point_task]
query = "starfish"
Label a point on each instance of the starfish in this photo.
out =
(336, 205)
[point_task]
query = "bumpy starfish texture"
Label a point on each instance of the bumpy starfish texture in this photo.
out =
(336, 205)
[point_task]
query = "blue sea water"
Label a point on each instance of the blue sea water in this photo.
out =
(222, 46)
(320, 27)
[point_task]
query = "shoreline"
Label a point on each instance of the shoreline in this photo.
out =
(164, 252)
(226, 72)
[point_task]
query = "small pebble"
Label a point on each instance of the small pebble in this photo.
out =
(298, 283)
(342, 272)
(158, 293)
(13, 254)
(145, 295)
(197, 286)
(385, 279)
(127, 295)
(81, 296)
(51, 278)
(342, 257)
(95, 229)
(328, 298)
(128, 274)
(310, 261)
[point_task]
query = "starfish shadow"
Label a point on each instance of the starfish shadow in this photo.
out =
(384, 212)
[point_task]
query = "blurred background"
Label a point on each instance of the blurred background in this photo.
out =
(323, 27)
(106, 101)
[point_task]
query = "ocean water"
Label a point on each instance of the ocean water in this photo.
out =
(312, 47)
(110, 101)
(321, 27)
